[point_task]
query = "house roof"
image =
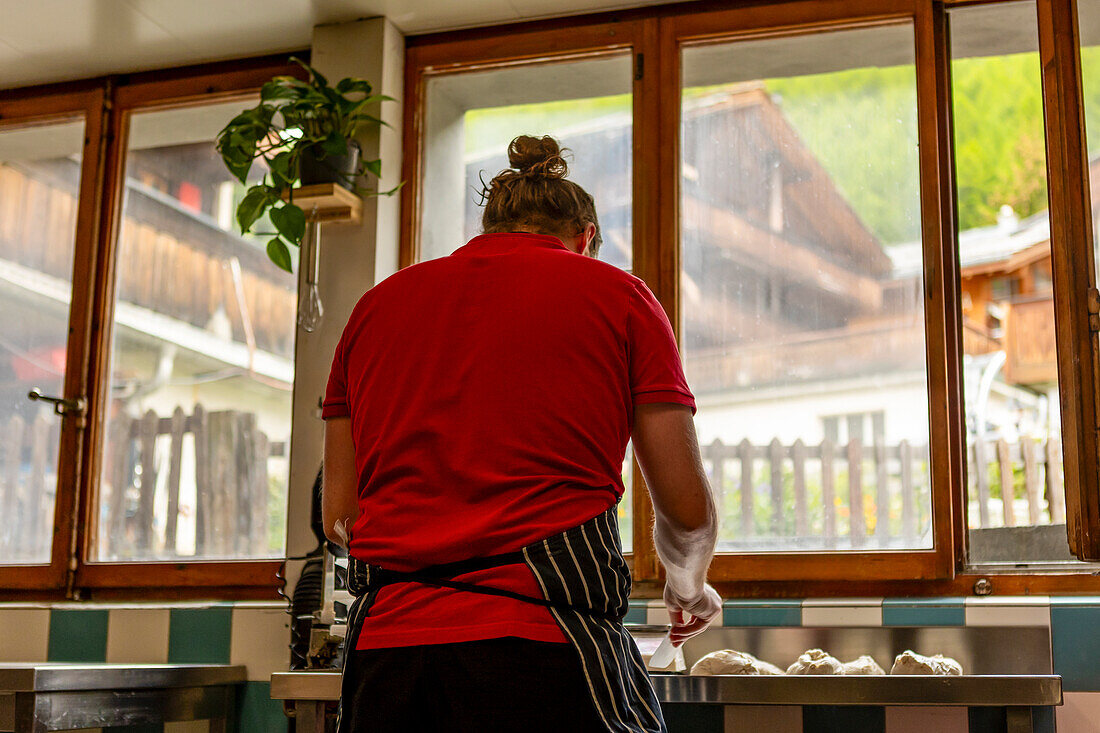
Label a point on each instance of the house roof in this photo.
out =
(1000, 242)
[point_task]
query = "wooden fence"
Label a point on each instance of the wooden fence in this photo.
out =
(28, 477)
(853, 495)
(230, 457)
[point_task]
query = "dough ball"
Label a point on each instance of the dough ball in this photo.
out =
(728, 661)
(864, 665)
(909, 662)
(816, 661)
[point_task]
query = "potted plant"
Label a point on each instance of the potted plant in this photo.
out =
(305, 133)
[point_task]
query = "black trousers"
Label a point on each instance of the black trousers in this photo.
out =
(499, 685)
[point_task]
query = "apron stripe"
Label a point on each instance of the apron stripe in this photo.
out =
(599, 575)
(608, 650)
(613, 695)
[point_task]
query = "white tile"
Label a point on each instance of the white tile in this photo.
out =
(1079, 714)
(1007, 600)
(842, 612)
(24, 634)
(770, 718)
(1008, 611)
(923, 720)
(657, 616)
(137, 635)
(260, 640)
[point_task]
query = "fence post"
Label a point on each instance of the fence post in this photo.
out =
(857, 528)
(745, 451)
(202, 480)
(882, 496)
(1008, 488)
(798, 463)
(908, 497)
(175, 460)
(147, 452)
(828, 494)
(13, 522)
(718, 473)
(121, 471)
(38, 524)
(775, 458)
(1031, 479)
(1055, 488)
(981, 479)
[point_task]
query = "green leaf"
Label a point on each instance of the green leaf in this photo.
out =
(279, 254)
(335, 144)
(393, 190)
(374, 167)
(351, 85)
(315, 76)
(253, 205)
(282, 169)
(290, 222)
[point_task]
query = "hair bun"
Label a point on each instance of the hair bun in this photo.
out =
(537, 156)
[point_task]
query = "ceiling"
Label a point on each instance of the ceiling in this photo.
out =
(58, 40)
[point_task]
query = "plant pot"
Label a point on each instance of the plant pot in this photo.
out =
(314, 166)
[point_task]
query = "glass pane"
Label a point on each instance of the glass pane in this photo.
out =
(802, 317)
(39, 188)
(202, 359)
(471, 118)
(1016, 505)
(1088, 20)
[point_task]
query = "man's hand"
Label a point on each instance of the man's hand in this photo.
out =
(691, 616)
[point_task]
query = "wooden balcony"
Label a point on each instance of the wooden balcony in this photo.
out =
(1031, 355)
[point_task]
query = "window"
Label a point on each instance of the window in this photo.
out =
(817, 189)
(799, 297)
(472, 117)
(1016, 499)
(197, 410)
(160, 344)
(39, 188)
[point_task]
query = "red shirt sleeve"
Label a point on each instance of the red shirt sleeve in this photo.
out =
(335, 403)
(656, 373)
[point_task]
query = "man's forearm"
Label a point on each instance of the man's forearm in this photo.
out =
(686, 553)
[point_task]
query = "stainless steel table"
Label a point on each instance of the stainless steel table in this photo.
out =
(45, 697)
(308, 695)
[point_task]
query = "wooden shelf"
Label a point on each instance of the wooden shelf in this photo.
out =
(333, 203)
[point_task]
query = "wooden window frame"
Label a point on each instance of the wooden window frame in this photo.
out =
(107, 105)
(657, 34)
(39, 106)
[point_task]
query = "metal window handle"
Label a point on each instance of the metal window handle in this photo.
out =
(61, 406)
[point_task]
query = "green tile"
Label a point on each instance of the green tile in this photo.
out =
(258, 713)
(1076, 646)
(199, 635)
(78, 635)
(635, 615)
(762, 613)
(924, 612)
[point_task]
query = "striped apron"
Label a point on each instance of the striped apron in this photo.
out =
(585, 584)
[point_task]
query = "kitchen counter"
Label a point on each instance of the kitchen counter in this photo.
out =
(37, 697)
(309, 693)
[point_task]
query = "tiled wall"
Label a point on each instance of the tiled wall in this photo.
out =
(256, 635)
(253, 634)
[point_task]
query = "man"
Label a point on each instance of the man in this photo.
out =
(477, 415)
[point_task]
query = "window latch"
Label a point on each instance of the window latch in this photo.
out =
(75, 407)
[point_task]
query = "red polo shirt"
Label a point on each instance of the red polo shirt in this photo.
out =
(491, 395)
